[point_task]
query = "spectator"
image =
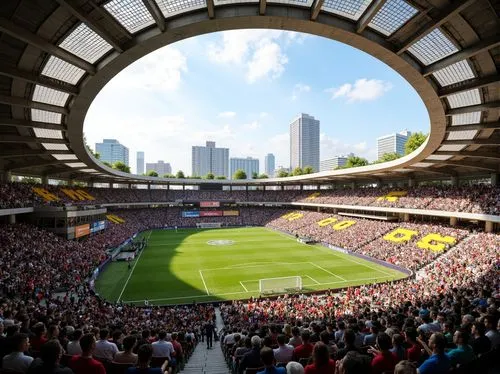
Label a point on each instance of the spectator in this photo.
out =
(73, 347)
(305, 349)
(267, 358)
(252, 358)
(405, 367)
(294, 368)
(480, 343)
(104, 349)
(144, 355)
(48, 363)
(17, 360)
(384, 360)
(438, 362)
(84, 363)
(127, 356)
(322, 363)
(354, 363)
(284, 352)
(463, 353)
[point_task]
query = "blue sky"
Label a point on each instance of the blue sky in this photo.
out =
(242, 88)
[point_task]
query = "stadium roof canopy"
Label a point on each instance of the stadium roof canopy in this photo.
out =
(56, 55)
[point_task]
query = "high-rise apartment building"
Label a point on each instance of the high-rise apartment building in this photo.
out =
(161, 167)
(210, 159)
(393, 143)
(304, 142)
(334, 162)
(110, 150)
(269, 163)
(140, 163)
(249, 165)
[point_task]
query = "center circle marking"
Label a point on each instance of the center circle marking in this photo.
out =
(220, 242)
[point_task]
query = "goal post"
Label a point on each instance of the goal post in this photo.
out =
(280, 285)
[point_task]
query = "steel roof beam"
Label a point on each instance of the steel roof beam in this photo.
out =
(25, 36)
(492, 142)
(211, 9)
(30, 139)
(55, 84)
(316, 8)
(473, 108)
(20, 101)
(441, 171)
(473, 154)
(73, 8)
(156, 13)
(31, 124)
(262, 7)
(368, 15)
(70, 170)
(454, 8)
(461, 163)
(473, 50)
(469, 85)
(40, 163)
(33, 152)
(475, 126)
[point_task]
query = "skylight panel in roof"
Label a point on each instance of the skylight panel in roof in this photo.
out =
(86, 44)
(45, 116)
(352, 9)
(62, 70)
(132, 14)
(465, 98)
(47, 95)
(55, 147)
(393, 15)
(422, 164)
(89, 170)
(466, 118)
(65, 157)
(172, 7)
(433, 47)
(293, 2)
(222, 2)
(439, 157)
(47, 133)
(452, 147)
(76, 164)
(462, 135)
(457, 72)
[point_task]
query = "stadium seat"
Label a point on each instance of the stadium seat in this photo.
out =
(117, 368)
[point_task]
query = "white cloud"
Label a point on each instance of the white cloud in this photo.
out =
(298, 89)
(331, 147)
(159, 71)
(251, 126)
(362, 90)
(227, 114)
(258, 52)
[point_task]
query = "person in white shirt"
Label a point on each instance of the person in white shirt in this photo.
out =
(17, 360)
(104, 349)
(284, 352)
(73, 347)
(162, 348)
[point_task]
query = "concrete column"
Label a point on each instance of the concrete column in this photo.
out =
(6, 176)
(495, 179)
(149, 186)
(353, 185)
(406, 217)
(71, 182)
(454, 181)
(318, 187)
(12, 219)
(411, 182)
(301, 187)
(453, 221)
(45, 180)
(488, 226)
(110, 184)
(183, 187)
(282, 187)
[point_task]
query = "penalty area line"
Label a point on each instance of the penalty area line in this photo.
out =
(326, 271)
(242, 285)
(203, 280)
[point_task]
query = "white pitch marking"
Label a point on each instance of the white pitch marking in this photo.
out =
(311, 278)
(203, 280)
(326, 271)
(242, 285)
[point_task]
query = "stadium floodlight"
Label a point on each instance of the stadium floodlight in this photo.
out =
(280, 285)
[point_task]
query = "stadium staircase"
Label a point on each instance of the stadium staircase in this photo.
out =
(208, 361)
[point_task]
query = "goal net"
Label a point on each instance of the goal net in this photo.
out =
(280, 285)
(209, 225)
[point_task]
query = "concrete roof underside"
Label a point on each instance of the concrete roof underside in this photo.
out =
(56, 55)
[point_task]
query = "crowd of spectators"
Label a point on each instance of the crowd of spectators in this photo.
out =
(481, 198)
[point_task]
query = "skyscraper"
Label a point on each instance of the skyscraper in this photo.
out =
(210, 159)
(140, 163)
(333, 163)
(269, 163)
(304, 142)
(161, 167)
(110, 150)
(249, 165)
(393, 143)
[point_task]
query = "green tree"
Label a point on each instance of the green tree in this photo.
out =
(297, 171)
(107, 164)
(180, 175)
(355, 161)
(221, 177)
(308, 170)
(282, 173)
(152, 173)
(210, 176)
(31, 180)
(168, 176)
(263, 176)
(240, 174)
(255, 175)
(118, 165)
(414, 141)
(91, 151)
(388, 157)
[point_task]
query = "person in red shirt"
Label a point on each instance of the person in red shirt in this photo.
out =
(322, 364)
(84, 363)
(414, 351)
(384, 360)
(39, 339)
(177, 348)
(305, 349)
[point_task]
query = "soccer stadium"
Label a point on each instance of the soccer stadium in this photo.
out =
(386, 268)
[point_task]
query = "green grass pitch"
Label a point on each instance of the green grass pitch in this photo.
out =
(181, 267)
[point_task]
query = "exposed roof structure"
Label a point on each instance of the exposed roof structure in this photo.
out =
(56, 55)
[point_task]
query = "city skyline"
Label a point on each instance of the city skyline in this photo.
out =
(304, 142)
